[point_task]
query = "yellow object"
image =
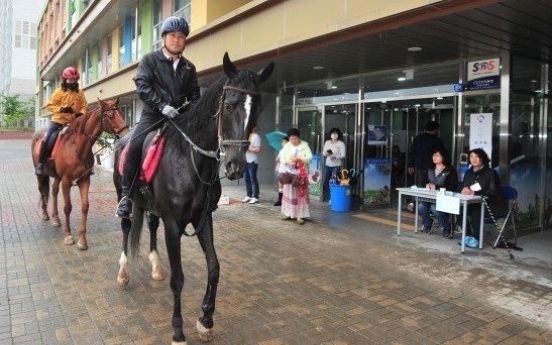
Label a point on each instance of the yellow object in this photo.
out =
(67, 98)
(344, 177)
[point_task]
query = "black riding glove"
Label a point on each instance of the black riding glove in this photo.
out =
(66, 110)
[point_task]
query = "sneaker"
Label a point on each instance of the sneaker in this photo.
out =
(410, 207)
(446, 232)
(246, 199)
(286, 218)
(253, 201)
(301, 221)
(427, 229)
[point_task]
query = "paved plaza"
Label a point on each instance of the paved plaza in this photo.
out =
(339, 279)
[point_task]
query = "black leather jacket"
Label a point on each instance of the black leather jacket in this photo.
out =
(490, 186)
(158, 84)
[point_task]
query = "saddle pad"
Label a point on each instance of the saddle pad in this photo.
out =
(153, 157)
(122, 159)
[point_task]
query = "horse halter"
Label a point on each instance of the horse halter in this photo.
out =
(229, 142)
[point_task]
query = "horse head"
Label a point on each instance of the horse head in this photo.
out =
(113, 119)
(239, 109)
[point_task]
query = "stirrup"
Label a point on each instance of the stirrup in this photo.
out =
(124, 208)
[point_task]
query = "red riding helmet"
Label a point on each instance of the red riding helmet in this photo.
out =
(70, 73)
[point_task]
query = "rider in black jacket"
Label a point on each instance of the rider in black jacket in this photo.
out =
(165, 82)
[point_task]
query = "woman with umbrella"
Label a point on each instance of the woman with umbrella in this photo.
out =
(294, 159)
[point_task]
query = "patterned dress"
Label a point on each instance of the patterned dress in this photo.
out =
(294, 203)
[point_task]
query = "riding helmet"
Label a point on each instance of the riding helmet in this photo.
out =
(173, 24)
(70, 73)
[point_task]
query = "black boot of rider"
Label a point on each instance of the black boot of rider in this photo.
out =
(124, 209)
(39, 170)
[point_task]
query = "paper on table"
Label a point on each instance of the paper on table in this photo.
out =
(448, 204)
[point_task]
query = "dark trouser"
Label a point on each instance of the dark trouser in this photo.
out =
(251, 182)
(473, 220)
(328, 173)
(147, 124)
(54, 126)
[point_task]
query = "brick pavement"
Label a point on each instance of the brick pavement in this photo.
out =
(281, 283)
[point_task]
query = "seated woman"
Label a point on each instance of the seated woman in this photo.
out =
(441, 175)
(481, 180)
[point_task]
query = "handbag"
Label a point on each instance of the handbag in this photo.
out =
(285, 178)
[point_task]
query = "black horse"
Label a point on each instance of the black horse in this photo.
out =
(186, 187)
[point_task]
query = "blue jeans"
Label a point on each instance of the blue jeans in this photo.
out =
(424, 209)
(251, 182)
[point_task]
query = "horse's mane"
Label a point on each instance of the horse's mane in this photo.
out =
(201, 116)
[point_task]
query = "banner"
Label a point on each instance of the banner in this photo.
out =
(481, 132)
(483, 74)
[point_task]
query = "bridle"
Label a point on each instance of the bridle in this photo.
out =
(103, 117)
(221, 141)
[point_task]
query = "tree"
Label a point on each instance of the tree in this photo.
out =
(14, 109)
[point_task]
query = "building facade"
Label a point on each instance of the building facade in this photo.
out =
(377, 70)
(18, 43)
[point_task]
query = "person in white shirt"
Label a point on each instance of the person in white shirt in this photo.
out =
(334, 151)
(250, 173)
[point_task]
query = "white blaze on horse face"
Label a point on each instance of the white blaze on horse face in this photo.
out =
(247, 106)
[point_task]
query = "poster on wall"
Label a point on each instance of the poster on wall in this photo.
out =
(483, 74)
(481, 132)
(377, 134)
(377, 179)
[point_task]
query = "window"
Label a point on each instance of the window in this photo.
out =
(157, 22)
(109, 55)
(182, 9)
(99, 55)
(25, 35)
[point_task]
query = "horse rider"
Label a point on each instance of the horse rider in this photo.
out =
(165, 82)
(66, 104)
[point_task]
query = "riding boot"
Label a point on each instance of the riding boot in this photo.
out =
(279, 202)
(124, 209)
(39, 170)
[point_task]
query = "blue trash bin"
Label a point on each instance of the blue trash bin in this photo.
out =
(340, 198)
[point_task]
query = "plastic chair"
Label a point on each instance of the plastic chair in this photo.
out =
(501, 221)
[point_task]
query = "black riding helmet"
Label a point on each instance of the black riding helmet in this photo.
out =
(173, 24)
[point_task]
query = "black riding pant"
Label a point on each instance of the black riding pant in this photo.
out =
(147, 124)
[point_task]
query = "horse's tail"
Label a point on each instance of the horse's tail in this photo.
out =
(136, 230)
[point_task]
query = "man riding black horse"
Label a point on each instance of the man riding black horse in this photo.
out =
(165, 81)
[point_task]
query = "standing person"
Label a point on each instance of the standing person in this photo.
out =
(335, 152)
(250, 173)
(296, 156)
(165, 82)
(481, 180)
(440, 175)
(423, 146)
(66, 104)
(280, 168)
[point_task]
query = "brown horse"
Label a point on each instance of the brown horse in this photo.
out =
(72, 161)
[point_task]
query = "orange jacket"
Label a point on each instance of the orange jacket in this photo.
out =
(67, 98)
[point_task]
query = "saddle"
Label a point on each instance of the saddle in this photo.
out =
(151, 159)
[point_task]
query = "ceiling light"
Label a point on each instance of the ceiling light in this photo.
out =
(401, 78)
(414, 49)
(317, 68)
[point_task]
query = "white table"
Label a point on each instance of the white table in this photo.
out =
(426, 193)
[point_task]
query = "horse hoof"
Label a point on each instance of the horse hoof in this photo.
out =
(45, 217)
(68, 240)
(82, 245)
(122, 281)
(178, 343)
(158, 276)
(56, 223)
(205, 334)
